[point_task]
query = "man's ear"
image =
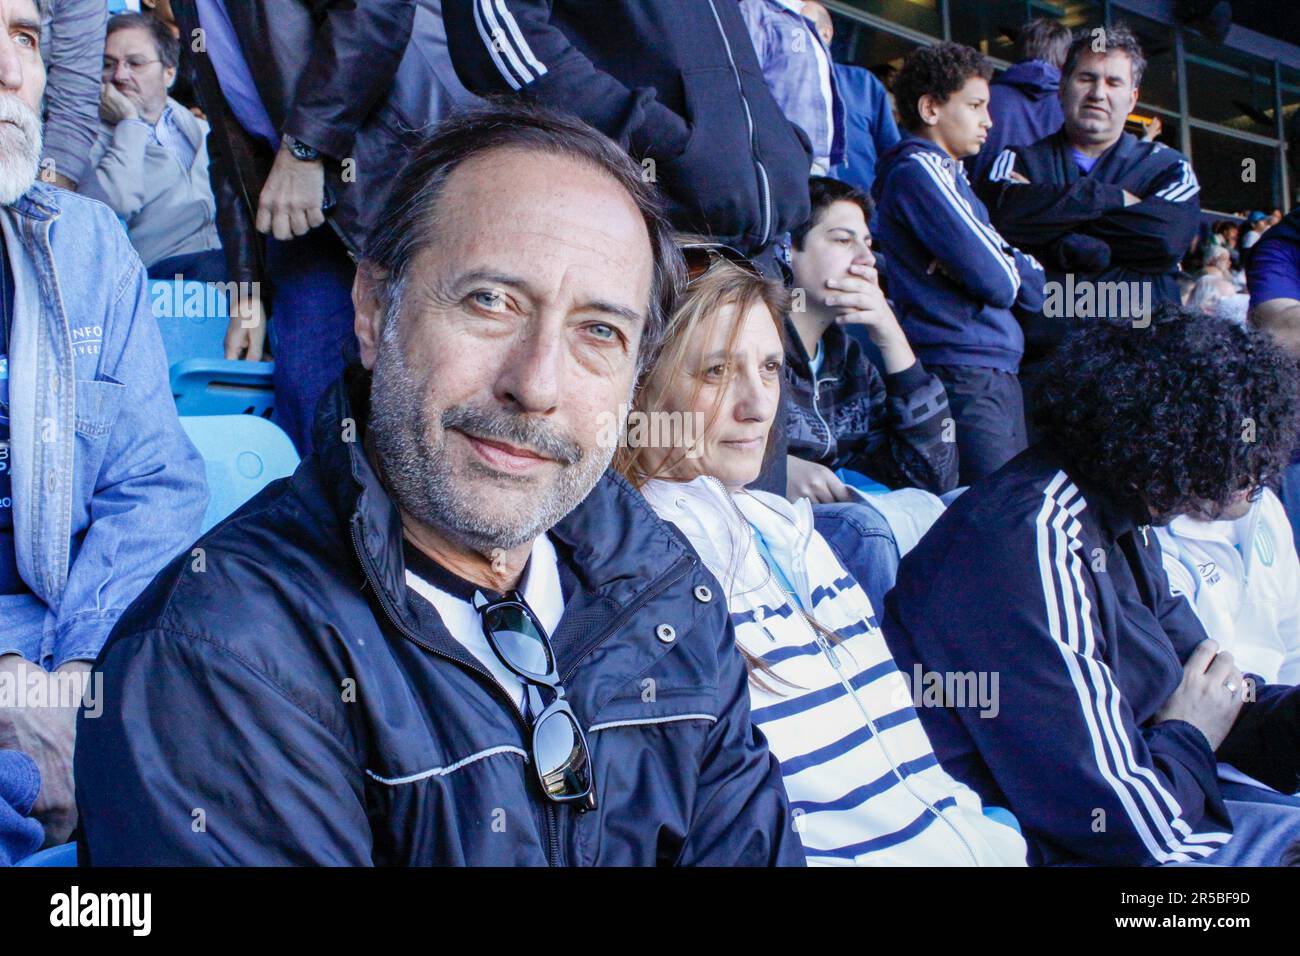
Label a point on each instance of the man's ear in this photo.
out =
(369, 308)
(169, 77)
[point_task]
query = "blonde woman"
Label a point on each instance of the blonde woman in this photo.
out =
(865, 786)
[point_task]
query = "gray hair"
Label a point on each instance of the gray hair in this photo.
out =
(1118, 39)
(169, 48)
(407, 223)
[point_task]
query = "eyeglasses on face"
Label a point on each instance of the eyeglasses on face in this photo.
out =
(134, 64)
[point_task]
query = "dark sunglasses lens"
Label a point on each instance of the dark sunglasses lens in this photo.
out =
(518, 640)
(561, 756)
(698, 259)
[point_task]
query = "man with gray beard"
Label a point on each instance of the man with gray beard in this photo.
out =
(91, 451)
(453, 637)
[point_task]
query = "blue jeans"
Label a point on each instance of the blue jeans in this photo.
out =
(311, 325)
(207, 266)
(1264, 832)
(861, 538)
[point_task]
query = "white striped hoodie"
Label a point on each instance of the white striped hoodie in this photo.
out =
(865, 786)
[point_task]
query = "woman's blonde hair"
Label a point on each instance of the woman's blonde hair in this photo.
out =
(705, 299)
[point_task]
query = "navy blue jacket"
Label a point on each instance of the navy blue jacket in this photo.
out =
(1025, 105)
(889, 427)
(1077, 223)
(957, 285)
(288, 701)
(672, 81)
(1035, 577)
(869, 127)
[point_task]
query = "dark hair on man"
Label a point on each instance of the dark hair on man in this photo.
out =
(1174, 418)
(169, 48)
(408, 223)
(939, 71)
(1043, 38)
(1118, 37)
(823, 191)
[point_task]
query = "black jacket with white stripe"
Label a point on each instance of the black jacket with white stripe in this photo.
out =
(1076, 223)
(1037, 579)
(674, 82)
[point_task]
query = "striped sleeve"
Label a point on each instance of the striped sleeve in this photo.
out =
(1181, 185)
(1064, 750)
(512, 46)
(1138, 799)
(968, 249)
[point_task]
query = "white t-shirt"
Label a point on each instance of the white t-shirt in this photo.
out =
(540, 587)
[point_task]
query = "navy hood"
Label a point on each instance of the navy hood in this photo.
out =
(1036, 79)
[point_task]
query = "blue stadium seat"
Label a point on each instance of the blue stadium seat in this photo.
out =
(241, 454)
(192, 317)
(65, 854)
(223, 387)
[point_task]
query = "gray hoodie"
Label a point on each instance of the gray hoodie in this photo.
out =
(168, 210)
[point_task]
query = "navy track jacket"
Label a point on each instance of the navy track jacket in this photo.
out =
(1076, 222)
(674, 82)
(290, 703)
(1034, 577)
(956, 284)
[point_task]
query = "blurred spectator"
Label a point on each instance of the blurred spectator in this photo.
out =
(1274, 279)
(1113, 700)
(869, 125)
(1256, 226)
(313, 108)
(91, 450)
(1241, 574)
(844, 412)
(72, 43)
(1209, 289)
(1218, 261)
(796, 63)
(150, 163)
(957, 284)
(1024, 102)
(1093, 202)
(678, 85)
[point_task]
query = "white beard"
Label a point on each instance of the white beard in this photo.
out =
(20, 148)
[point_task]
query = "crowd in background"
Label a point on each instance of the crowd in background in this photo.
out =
(983, 393)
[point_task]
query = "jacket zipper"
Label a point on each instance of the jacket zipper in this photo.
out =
(765, 192)
(817, 383)
(552, 841)
(834, 659)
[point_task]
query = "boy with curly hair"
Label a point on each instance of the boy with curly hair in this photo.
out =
(957, 284)
(1114, 707)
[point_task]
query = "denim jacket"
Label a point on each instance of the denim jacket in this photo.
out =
(107, 488)
(787, 46)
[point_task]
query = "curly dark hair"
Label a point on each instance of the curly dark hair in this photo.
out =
(939, 71)
(1175, 418)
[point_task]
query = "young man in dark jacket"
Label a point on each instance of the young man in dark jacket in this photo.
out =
(1108, 215)
(1025, 101)
(355, 668)
(678, 85)
(1113, 705)
(844, 412)
(958, 285)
